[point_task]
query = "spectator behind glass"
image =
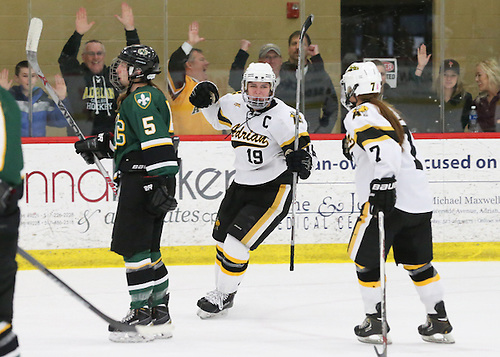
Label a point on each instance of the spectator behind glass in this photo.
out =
(268, 53)
(92, 97)
(386, 93)
(45, 112)
(188, 66)
(449, 87)
(487, 102)
(321, 104)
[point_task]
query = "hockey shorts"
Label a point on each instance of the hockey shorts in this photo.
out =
(135, 229)
(409, 235)
(251, 213)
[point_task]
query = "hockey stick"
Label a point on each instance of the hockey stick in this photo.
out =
(34, 32)
(143, 330)
(383, 311)
(298, 73)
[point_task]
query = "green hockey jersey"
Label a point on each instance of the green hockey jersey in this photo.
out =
(144, 124)
(11, 155)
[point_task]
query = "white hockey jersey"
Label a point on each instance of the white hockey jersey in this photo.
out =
(259, 138)
(377, 154)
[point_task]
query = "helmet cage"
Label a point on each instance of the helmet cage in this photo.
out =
(142, 62)
(262, 73)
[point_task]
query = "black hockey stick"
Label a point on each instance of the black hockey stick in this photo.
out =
(298, 72)
(143, 330)
(383, 310)
(34, 33)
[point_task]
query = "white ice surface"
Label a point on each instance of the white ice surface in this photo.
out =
(309, 312)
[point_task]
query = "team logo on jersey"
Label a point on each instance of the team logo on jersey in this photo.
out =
(237, 105)
(143, 99)
(242, 137)
(360, 111)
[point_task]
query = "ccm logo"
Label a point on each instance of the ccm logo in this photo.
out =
(148, 187)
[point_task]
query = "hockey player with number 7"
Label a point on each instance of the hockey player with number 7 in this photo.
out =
(262, 136)
(146, 164)
(389, 179)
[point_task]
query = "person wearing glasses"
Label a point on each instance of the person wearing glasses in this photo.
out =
(92, 97)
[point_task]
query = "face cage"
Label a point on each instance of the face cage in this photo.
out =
(257, 103)
(113, 74)
(346, 96)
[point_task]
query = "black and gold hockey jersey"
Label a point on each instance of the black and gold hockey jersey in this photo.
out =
(260, 139)
(377, 154)
(144, 125)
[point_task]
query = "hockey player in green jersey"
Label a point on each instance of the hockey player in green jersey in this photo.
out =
(146, 164)
(389, 179)
(11, 190)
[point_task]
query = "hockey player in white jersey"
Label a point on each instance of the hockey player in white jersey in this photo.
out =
(389, 178)
(262, 135)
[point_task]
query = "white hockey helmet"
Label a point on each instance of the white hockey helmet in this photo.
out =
(258, 72)
(360, 78)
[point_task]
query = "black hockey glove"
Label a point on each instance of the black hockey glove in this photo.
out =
(99, 145)
(160, 191)
(382, 195)
(299, 161)
(204, 94)
(9, 196)
(346, 147)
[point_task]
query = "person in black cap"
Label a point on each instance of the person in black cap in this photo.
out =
(268, 53)
(448, 88)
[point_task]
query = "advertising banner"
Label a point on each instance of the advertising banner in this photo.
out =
(68, 205)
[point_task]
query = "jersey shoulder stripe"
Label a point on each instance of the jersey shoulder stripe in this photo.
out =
(368, 134)
(223, 119)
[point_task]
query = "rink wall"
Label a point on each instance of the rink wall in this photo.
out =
(68, 211)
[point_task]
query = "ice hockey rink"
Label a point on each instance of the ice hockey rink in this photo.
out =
(308, 312)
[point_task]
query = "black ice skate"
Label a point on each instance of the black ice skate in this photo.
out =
(215, 303)
(141, 316)
(8, 340)
(437, 327)
(370, 330)
(161, 324)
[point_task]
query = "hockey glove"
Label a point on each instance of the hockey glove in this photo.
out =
(9, 196)
(99, 145)
(382, 195)
(160, 191)
(346, 147)
(299, 161)
(204, 94)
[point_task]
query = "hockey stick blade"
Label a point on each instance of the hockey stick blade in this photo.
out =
(34, 33)
(307, 24)
(143, 330)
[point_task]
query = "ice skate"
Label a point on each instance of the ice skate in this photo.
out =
(8, 340)
(161, 325)
(141, 316)
(370, 330)
(437, 328)
(215, 303)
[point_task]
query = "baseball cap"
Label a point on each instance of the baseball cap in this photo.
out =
(450, 64)
(269, 47)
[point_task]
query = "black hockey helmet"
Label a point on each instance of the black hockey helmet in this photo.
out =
(143, 64)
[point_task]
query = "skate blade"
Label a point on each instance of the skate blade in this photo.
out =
(439, 338)
(129, 337)
(207, 315)
(374, 339)
(162, 331)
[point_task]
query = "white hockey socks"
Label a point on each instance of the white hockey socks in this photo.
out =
(232, 263)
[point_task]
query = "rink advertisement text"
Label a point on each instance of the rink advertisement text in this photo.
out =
(67, 203)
